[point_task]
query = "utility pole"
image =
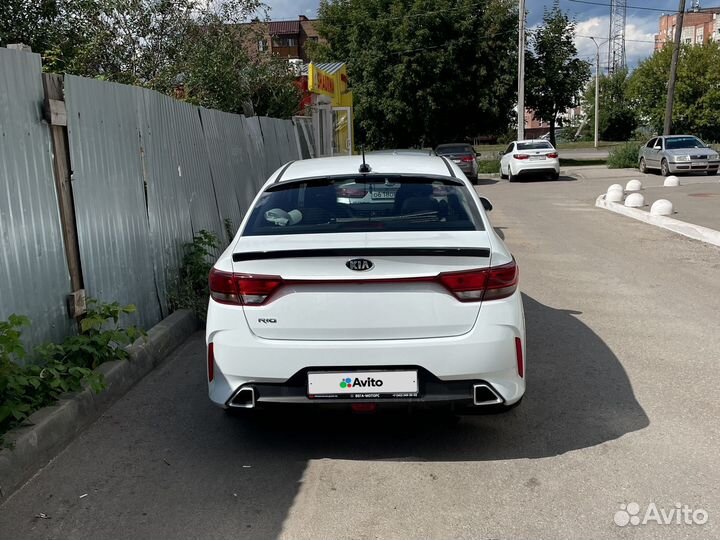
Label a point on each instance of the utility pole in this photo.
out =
(673, 69)
(597, 90)
(521, 73)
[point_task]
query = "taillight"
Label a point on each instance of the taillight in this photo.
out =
(254, 290)
(552, 155)
(468, 159)
(351, 193)
(247, 289)
(223, 288)
(502, 281)
(482, 284)
(521, 156)
(519, 356)
(211, 362)
(466, 286)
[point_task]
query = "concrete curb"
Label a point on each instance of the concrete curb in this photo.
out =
(696, 232)
(32, 447)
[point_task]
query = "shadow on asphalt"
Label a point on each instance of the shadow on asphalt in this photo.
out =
(486, 182)
(578, 396)
(165, 463)
(535, 179)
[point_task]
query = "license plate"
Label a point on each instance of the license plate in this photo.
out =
(699, 163)
(363, 384)
(382, 194)
(535, 158)
(457, 160)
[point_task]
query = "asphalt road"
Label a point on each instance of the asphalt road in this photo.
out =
(621, 407)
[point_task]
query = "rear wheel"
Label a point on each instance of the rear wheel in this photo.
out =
(642, 166)
(664, 168)
(502, 174)
(555, 176)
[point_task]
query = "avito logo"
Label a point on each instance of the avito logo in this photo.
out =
(347, 382)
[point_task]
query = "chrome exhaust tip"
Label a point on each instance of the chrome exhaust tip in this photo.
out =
(243, 398)
(484, 394)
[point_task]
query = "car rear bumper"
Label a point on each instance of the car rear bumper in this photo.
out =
(546, 166)
(448, 367)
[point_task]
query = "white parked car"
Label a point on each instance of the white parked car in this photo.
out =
(532, 157)
(415, 301)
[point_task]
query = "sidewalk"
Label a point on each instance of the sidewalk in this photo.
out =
(696, 202)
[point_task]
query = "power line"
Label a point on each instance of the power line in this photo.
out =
(628, 7)
(454, 41)
(633, 40)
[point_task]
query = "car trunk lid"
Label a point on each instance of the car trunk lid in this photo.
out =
(362, 286)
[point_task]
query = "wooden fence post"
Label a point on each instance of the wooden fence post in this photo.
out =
(56, 117)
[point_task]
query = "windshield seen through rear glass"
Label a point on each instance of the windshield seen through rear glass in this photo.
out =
(540, 145)
(674, 143)
(362, 204)
(456, 149)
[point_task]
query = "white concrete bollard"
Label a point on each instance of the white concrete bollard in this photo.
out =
(634, 185)
(671, 181)
(615, 186)
(661, 207)
(614, 195)
(635, 200)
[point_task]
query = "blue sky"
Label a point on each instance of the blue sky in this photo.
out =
(592, 20)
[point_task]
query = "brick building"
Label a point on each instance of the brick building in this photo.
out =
(700, 26)
(285, 39)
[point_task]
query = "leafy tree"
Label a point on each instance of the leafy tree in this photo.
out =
(26, 22)
(424, 71)
(696, 107)
(618, 117)
(555, 77)
(197, 46)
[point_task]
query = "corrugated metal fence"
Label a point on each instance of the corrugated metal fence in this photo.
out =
(34, 278)
(148, 172)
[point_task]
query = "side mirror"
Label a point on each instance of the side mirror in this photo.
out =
(487, 205)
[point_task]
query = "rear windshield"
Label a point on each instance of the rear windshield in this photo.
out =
(457, 149)
(673, 143)
(335, 205)
(540, 145)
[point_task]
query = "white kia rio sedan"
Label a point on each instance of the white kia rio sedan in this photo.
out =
(408, 299)
(534, 157)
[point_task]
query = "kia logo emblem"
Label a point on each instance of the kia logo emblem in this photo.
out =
(359, 265)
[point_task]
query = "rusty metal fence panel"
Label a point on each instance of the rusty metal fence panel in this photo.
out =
(34, 278)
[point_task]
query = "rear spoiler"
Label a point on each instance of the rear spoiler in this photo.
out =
(369, 252)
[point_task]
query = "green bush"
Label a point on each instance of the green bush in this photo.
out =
(486, 166)
(191, 291)
(27, 385)
(624, 156)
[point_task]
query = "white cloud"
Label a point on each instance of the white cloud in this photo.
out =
(639, 36)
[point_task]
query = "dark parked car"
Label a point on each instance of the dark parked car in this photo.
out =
(676, 154)
(462, 154)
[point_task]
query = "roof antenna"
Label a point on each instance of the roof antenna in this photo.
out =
(364, 167)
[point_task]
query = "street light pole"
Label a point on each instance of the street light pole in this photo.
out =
(673, 70)
(597, 90)
(521, 73)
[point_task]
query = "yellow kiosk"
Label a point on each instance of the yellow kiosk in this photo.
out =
(332, 108)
